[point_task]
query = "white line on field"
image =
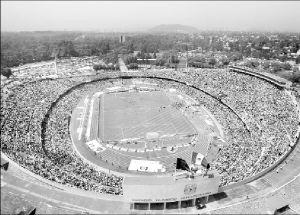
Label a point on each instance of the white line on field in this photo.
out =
(88, 130)
(103, 116)
(80, 128)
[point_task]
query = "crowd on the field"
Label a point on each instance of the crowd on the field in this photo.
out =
(259, 121)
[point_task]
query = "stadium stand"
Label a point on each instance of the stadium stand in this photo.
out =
(260, 122)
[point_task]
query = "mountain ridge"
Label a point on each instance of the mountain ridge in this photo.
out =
(171, 28)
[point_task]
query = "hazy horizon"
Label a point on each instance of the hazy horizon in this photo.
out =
(140, 16)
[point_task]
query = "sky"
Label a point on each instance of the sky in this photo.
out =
(142, 15)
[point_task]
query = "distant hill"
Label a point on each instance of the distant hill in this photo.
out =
(173, 28)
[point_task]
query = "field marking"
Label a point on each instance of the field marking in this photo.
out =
(169, 155)
(159, 120)
(217, 124)
(138, 130)
(88, 130)
(130, 108)
(80, 128)
(102, 124)
(157, 117)
(172, 124)
(191, 124)
(144, 122)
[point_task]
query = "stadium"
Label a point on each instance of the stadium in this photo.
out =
(139, 120)
(110, 141)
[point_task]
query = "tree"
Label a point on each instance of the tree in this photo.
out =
(298, 59)
(212, 61)
(197, 64)
(286, 66)
(160, 62)
(174, 59)
(133, 66)
(130, 47)
(296, 76)
(223, 61)
(111, 58)
(130, 59)
(266, 65)
(201, 59)
(66, 49)
(97, 67)
(276, 66)
(140, 55)
(251, 63)
(154, 55)
(109, 66)
(236, 57)
(6, 72)
(197, 61)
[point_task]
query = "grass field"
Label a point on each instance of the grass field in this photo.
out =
(133, 114)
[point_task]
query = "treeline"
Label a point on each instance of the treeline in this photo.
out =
(268, 65)
(167, 59)
(109, 67)
(282, 69)
(28, 47)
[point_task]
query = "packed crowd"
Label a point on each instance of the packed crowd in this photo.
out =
(267, 112)
(58, 147)
(22, 136)
(259, 121)
(60, 68)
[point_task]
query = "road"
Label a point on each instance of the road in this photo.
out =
(276, 189)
